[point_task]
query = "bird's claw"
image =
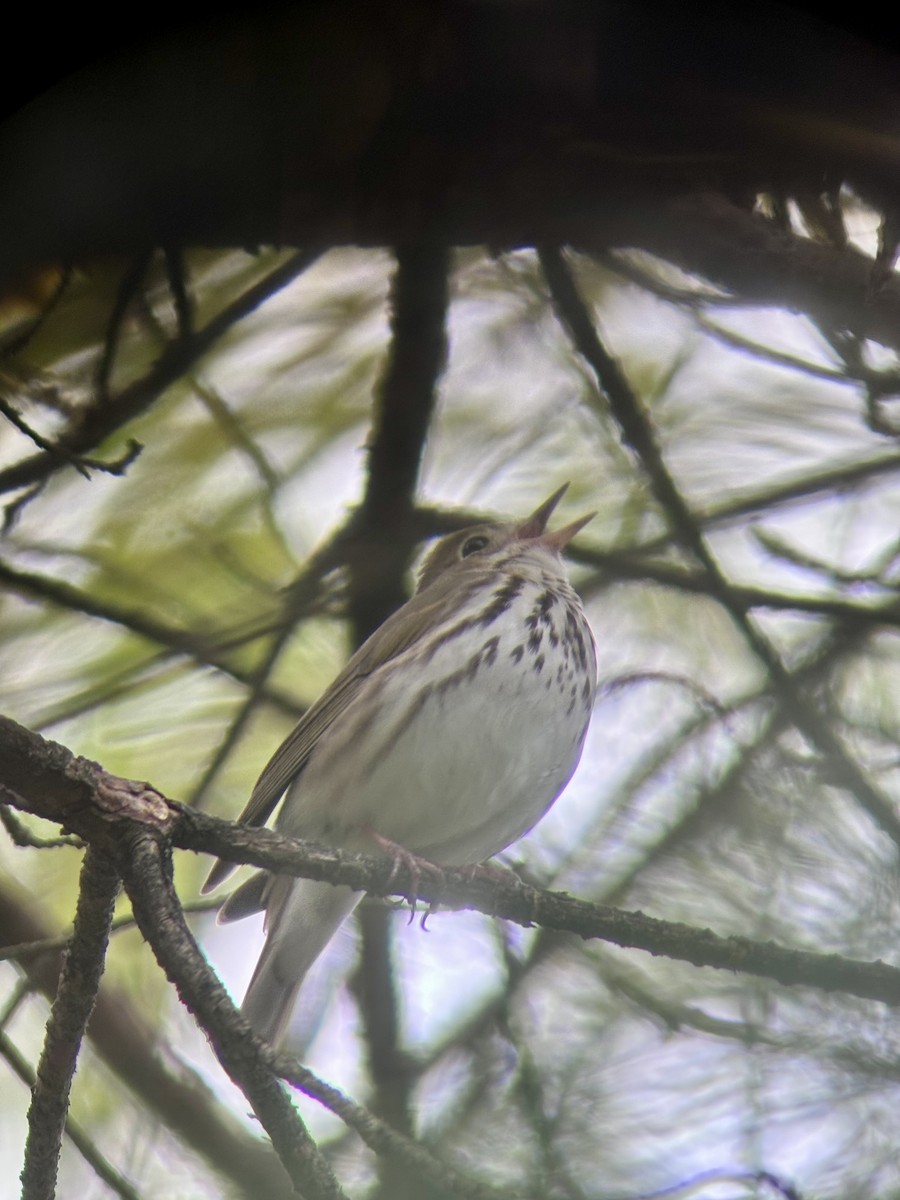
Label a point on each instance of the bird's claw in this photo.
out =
(415, 865)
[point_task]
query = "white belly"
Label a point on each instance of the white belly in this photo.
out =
(459, 757)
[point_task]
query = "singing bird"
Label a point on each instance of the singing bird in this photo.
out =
(448, 735)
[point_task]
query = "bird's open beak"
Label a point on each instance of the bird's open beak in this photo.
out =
(533, 527)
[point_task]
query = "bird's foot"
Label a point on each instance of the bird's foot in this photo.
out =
(415, 865)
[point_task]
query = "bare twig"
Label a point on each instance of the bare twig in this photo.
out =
(82, 968)
(23, 837)
(614, 564)
(178, 286)
(206, 648)
(16, 419)
(382, 1139)
(638, 434)
(73, 1131)
(98, 422)
(21, 952)
(127, 289)
(297, 599)
(129, 1046)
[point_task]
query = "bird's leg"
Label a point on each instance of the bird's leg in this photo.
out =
(414, 863)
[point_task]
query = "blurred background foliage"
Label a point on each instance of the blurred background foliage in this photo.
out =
(694, 802)
(140, 608)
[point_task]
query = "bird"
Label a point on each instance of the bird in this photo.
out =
(446, 737)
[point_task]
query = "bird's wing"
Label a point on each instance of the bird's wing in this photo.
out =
(400, 631)
(291, 756)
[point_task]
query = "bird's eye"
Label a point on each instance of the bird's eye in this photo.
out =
(473, 544)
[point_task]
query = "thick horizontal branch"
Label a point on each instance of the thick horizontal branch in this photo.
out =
(512, 900)
(52, 783)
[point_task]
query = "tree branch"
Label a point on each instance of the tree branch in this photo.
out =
(384, 1140)
(638, 433)
(104, 418)
(385, 532)
(102, 808)
(177, 1098)
(78, 985)
(74, 1132)
(710, 236)
(205, 649)
(146, 872)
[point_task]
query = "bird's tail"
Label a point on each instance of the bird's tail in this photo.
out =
(302, 917)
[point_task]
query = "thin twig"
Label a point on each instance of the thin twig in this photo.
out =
(781, 358)
(21, 952)
(101, 420)
(23, 837)
(16, 419)
(697, 299)
(233, 428)
(382, 1139)
(19, 994)
(837, 479)
(16, 344)
(178, 286)
(614, 564)
(125, 293)
(78, 985)
(73, 1131)
(638, 434)
(297, 599)
(207, 649)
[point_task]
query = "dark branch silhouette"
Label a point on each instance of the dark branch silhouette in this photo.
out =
(638, 435)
